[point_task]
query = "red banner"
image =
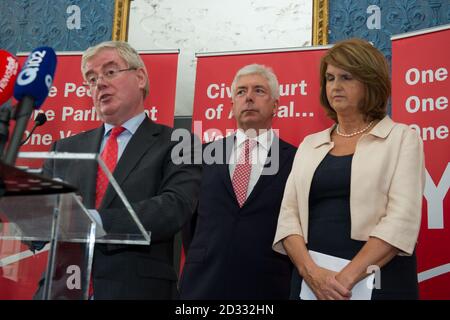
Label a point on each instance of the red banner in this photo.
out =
(421, 87)
(69, 110)
(299, 112)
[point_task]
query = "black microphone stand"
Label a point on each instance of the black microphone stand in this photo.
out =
(5, 117)
(23, 113)
(39, 121)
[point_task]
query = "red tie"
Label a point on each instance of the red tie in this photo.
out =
(109, 156)
(241, 175)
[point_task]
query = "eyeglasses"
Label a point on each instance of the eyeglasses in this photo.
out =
(108, 74)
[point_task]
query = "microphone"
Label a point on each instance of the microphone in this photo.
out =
(9, 68)
(41, 118)
(32, 86)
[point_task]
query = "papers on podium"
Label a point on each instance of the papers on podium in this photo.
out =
(361, 291)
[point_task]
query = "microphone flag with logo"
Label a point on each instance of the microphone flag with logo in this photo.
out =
(9, 68)
(36, 77)
(31, 89)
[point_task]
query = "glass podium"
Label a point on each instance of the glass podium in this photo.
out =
(47, 235)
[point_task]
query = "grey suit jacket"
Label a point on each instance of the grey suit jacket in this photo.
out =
(163, 195)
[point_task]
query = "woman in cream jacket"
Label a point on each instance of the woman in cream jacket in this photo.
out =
(355, 189)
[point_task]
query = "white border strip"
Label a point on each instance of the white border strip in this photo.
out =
(434, 272)
(79, 53)
(58, 53)
(21, 255)
(419, 32)
(159, 51)
(57, 155)
(423, 276)
(275, 50)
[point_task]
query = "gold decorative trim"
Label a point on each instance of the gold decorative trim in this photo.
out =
(320, 22)
(121, 18)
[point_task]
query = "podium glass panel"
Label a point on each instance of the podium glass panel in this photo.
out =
(47, 232)
(55, 226)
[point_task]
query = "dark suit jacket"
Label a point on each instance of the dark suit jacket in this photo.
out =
(231, 256)
(163, 195)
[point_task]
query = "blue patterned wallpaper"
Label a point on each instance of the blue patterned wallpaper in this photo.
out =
(65, 25)
(352, 18)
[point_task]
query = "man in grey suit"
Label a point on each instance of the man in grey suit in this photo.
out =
(162, 192)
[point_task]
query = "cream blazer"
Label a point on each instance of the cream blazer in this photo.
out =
(387, 183)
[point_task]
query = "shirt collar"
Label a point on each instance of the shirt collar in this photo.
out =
(264, 139)
(131, 125)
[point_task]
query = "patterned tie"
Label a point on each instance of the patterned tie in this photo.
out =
(241, 175)
(109, 156)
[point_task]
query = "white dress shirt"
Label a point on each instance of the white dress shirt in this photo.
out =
(130, 126)
(122, 140)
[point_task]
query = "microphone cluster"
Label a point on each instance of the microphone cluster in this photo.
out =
(30, 87)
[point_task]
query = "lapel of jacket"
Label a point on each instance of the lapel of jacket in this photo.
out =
(224, 171)
(140, 142)
(271, 168)
(86, 170)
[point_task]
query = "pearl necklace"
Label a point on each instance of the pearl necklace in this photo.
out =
(348, 135)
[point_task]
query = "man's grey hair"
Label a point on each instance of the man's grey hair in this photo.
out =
(125, 51)
(262, 70)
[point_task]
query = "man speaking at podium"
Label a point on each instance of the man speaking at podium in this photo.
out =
(139, 154)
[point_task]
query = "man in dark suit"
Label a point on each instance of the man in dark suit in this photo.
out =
(230, 255)
(162, 192)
